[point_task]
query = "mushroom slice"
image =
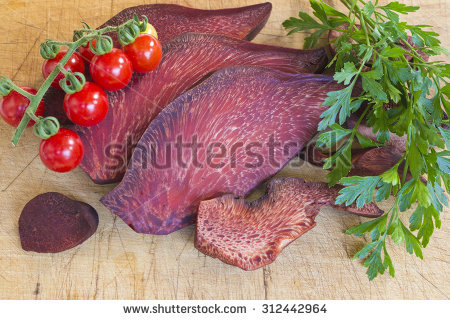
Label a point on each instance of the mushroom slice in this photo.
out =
(252, 235)
(51, 223)
(187, 61)
(227, 135)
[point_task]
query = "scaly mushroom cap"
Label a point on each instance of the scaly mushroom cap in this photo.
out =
(251, 235)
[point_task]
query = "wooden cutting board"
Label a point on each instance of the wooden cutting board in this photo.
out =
(119, 263)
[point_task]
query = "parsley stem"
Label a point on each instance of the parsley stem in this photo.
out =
(355, 129)
(413, 52)
(405, 171)
(393, 208)
(363, 25)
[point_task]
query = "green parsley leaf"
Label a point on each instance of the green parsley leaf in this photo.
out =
(415, 160)
(396, 231)
(404, 97)
(339, 102)
(412, 243)
(384, 191)
(393, 52)
(332, 137)
(405, 195)
(366, 142)
(391, 176)
(366, 250)
(427, 227)
(443, 162)
(421, 194)
(374, 262)
(360, 189)
(374, 88)
(399, 7)
(415, 221)
(319, 11)
(369, 9)
(388, 262)
(347, 73)
(368, 226)
(438, 197)
(446, 136)
(341, 161)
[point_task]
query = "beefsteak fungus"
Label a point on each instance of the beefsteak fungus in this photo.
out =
(186, 61)
(171, 20)
(228, 134)
(252, 235)
(51, 223)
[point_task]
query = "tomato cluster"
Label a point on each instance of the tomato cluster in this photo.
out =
(63, 151)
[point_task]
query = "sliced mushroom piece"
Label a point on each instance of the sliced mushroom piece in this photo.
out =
(252, 235)
(240, 127)
(51, 222)
(187, 60)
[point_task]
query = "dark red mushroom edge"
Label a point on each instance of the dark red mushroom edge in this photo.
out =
(51, 223)
(252, 235)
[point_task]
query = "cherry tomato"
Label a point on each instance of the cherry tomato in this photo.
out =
(112, 70)
(74, 64)
(88, 106)
(145, 53)
(85, 52)
(13, 106)
(62, 152)
(151, 30)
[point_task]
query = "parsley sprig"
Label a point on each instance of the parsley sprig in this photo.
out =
(373, 47)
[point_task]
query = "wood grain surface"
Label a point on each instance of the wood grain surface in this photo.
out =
(119, 263)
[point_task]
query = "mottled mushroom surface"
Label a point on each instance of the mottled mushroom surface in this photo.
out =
(251, 235)
(240, 126)
(187, 60)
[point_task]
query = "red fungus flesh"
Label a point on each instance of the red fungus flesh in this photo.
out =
(51, 223)
(234, 113)
(187, 60)
(252, 235)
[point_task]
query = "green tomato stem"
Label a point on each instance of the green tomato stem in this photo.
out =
(60, 67)
(89, 34)
(36, 99)
(21, 91)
